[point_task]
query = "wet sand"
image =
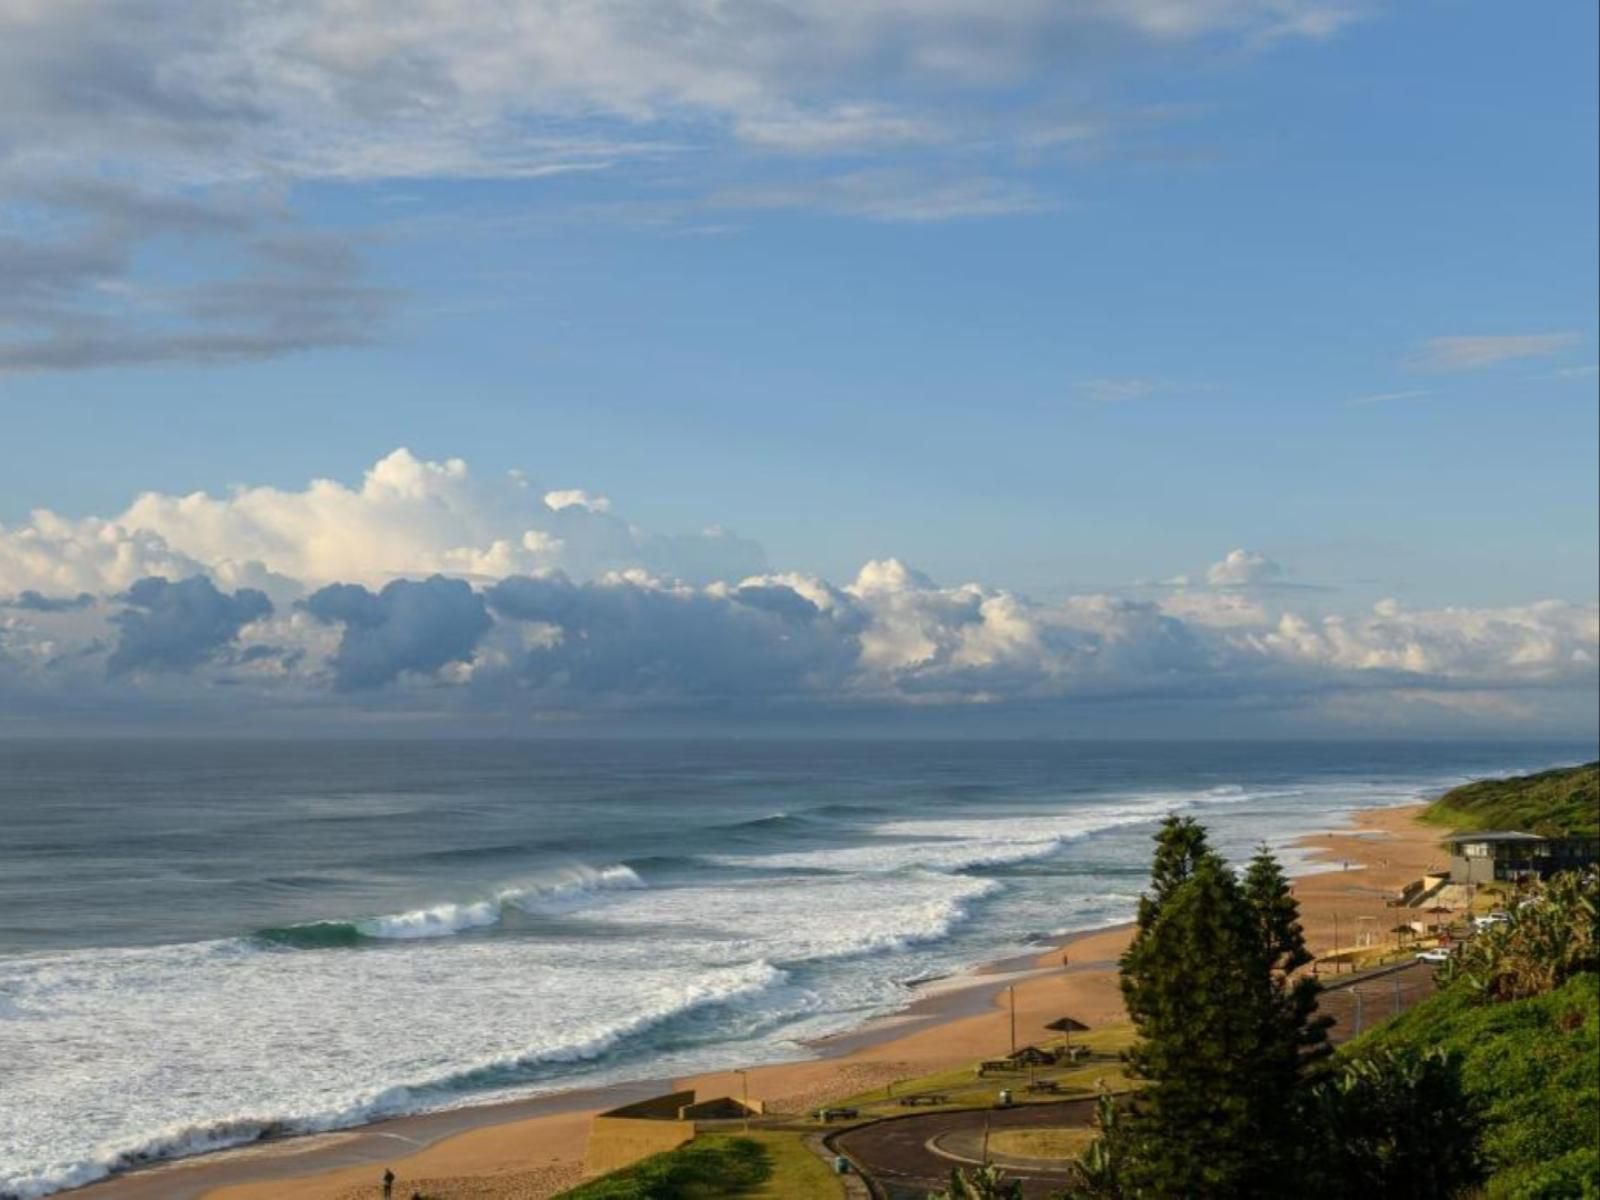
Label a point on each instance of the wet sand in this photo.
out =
(531, 1149)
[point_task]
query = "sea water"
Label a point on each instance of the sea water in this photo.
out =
(205, 943)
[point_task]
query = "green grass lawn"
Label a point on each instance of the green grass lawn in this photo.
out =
(965, 1090)
(759, 1165)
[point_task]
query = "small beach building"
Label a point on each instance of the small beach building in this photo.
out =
(1510, 856)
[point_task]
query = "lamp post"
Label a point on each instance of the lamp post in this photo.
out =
(744, 1093)
(1011, 991)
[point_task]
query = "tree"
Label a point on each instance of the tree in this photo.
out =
(1097, 1174)
(1198, 986)
(1283, 941)
(1180, 845)
(985, 1183)
(1227, 1034)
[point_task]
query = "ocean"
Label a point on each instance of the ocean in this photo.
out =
(204, 943)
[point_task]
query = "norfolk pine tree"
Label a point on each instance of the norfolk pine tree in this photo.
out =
(1224, 1034)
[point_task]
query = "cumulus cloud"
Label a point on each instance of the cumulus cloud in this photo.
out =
(424, 585)
(1243, 568)
(1471, 353)
(632, 640)
(417, 626)
(170, 626)
(408, 516)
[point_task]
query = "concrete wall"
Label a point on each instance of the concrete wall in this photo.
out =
(635, 1131)
(723, 1108)
(1471, 870)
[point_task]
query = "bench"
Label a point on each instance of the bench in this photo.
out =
(1044, 1085)
(836, 1114)
(914, 1101)
(1003, 1066)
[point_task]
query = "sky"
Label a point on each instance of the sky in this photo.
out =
(1211, 367)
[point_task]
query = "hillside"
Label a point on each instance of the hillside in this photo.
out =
(1530, 1063)
(1565, 800)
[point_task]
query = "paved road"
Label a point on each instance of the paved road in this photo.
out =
(1358, 1003)
(897, 1155)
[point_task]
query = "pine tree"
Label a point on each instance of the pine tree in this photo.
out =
(1180, 845)
(1297, 1044)
(1198, 985)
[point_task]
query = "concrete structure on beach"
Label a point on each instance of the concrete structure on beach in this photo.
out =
(622, 1136)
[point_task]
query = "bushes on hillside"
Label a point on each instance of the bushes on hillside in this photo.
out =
(1532, 1066)
(1494, 1082)
(1393, 1122)
(1550, 937)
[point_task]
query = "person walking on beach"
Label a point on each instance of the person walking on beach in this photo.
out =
(388, 1184)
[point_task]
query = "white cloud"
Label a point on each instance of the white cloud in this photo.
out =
(1537, 642)
(394, 88)
(1116, 391)
(890, 194)
(408, 517)
(571, 608)
(1391, 397)
(1243, 568)
(1472, 353)
(576, 498)
(171, 109)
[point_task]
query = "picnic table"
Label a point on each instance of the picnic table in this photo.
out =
(1001, 1065)
(928, 1098)
(836, 1114)
(1045, 1085)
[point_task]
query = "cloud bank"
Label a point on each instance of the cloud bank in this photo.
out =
(427, 590)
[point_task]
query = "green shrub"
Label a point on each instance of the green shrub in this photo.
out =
(1534, 1067)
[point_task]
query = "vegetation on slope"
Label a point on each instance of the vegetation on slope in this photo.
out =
(1490, 1088)
(1533, 1067)
(1565, 800)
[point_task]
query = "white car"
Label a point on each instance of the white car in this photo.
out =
(1438, 956)
(1490, 920)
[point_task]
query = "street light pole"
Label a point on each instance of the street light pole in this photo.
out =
(744, 1081)
(1011, 990)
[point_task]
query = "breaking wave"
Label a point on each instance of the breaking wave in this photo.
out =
(182, 1141)
(562, 892)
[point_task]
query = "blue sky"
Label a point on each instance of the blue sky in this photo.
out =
(1061, 300)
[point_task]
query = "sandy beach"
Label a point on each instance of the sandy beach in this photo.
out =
(533, 1149)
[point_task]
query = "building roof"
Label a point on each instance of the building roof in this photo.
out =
(1510, 835)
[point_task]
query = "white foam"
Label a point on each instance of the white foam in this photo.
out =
(131, 1056)
(965, 843)
(563, 890)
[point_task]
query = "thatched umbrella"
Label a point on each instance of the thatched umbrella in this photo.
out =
(1068, 1026)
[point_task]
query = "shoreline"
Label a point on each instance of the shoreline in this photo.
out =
(531, 1147)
